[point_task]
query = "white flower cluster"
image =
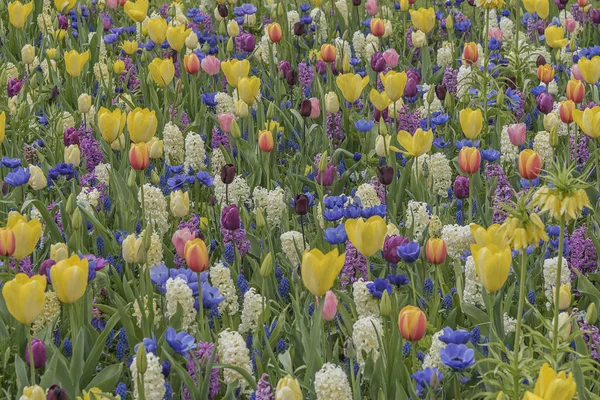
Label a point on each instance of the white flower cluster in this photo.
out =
(342, 48)
(155, 252)
(464, 80)
(508, 151)
(194, 152)
(220, 277)
(371, 46)
(434, 106)
(473, 287)
(506, 26)
(318, 17)
(342, 7)
(155, 207)
(271, 203)
(291, 244)
(67, 121)
(359, 42)
(154, 380)
(231, 348)
(101, 72)
(366, 334)
(50, 311)
(366, 304)
(217, 160)
(102, 173)
(510, 324)
(440, 172)
(367, 195)
(331, 383)
(137, 312)
(253, 304)
(457, 238)
(225, 103)
(417, 218)
(292, 17)
(445, 55)
(173, 144)
(179, 294)
(90, 196)
(541, 144)
(432, 358)
(238, 190)
(549, 272)
(263, 52)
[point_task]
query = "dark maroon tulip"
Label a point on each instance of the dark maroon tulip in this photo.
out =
(305, 108)
(301, 204)
(410, 90)
(541, 26)
(440, 91)
(356, 3)
(71, 137)
(413, 74)
(230, 218)
(55, 93)
(321, 67)
(390, 245)
(63, 23)
(559, 4)
(284, 67)
(471, 3)
(385, 174)
(377, 115)
(461, 187)
(299, 29)
(511, 82)
(326, 178)
(378, 62)
(227, 173)
(541, 60)
(39, 353)
(14, 87)
(45, 268)
(56, 393)
(292, 77)
(544, 102)
(248, 42)
(223, 11)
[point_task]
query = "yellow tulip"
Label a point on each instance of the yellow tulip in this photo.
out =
(141, 124)
(51, 53)
(25, 297)
(176, 36)
(162, 71)
(73, 155)
(94, 393)
(332, 103)
(157, 30)
(2, 126)
(248, 89)
(320, 270)
(27, 234)
(555, 37)
(155, 147)
(541, 7)
(18, 13)
(180, 203)
(131, 247)
(64, 5)
(37, 179)
(235, 70)
(351, 86)
(423, 19)
(367, 236)
(492, 257)
(590, 69)
(564, 296)
(471, 122)
(137, 10)
(394, 83)
(130, 46)
(70, 278)
(288, 388)
(380, 101)
(74, 62)
(414, 145)
(552, 386)
(59, 252)
(33, 393)
(588, 120)
(59, 34)
(119, 67)
(111, 123)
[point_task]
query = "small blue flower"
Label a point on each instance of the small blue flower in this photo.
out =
(17, 177)
(363, 125)
(205, 178)
(150, 344)
(398, 280)
(423, 379)
(159, 274)
(490, 155)
(181, 342)
(458, 336)
(457, 356)
(11, 162)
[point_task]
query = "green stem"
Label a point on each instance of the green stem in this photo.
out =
(200, 307)
(561, 240)
(30, 345)
(470, 209)
(522, 278)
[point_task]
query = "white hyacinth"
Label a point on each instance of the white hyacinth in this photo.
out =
(194, 152)
(417, 218)
(473, 287)
(231, 348)
(173, 144)
(549, 272)
(271, 203)
(154, 380)
(155, 207)
(291, 244)
(366, 335)
(432, 358)
(179, 294)
(367, 195)
(541, 144)
(220, 277)
(331, 383)
(253, 304)
(238, 190)
(366, 304)
(457, 238)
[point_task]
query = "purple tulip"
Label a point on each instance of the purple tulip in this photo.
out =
(461, 187)
(413, 74)
(56, 393)
(440, 91)
(106, 24)
(326, 178)
(45, 268)
(390, 245)
(39, 353)
(230, 218)
(284, 67)
(292, 77)
(247, 42)
(14, 87)
(378, 62)
(544, 102)
(410, 90)
(227, 173)
(596, 16)
(321, 67)
(385, 174)
(71, 137)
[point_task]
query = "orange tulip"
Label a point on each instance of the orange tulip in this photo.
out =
(565, 111)
(469, 160)
(191, 62)
(196, 255)
(377, 27)
(139, 156)
(575, 90)
(412, 323)
(8, 243)
(470, 53)
(274, 31)
(328, 53)
(436, 250)
(545, 73)
(265, 141)
(530, 164)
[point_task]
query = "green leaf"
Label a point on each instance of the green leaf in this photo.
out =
(579, 380)
(76, 366)
(92, 359)
(107, 379)
(21, 371)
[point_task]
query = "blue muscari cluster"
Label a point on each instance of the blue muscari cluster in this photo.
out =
(428, 287)
(122, 345)
(68, 347)
(447, 304)
(531, 297)
(242, 284)
(284, 288)
(121, 390)
(406, 348)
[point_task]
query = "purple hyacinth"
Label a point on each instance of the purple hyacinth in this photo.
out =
(203, 355)
(237, 237)
(583, 152)
(591, 336)
(379, 188)
(582, 256)
(193, 224)
(219, 138)
(334, 128)
(263, 389)
(132, 81)
(408, 120)
(305, 74)
(90, 148)
(502, 194)
(355, 266)
(450, 79)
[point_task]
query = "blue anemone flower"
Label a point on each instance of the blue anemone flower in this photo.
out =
(181, 342)
(457, 356)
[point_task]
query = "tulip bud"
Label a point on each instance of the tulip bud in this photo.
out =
(235, 129)
(530, 164)
(271, 111)
(517, 133)
(470, 53)
(541, 60)
(591, 315)
(8, 242)
(553, 138)
(140, 358)
(385, 174)
(328, 53)
(191, 63)
(299, 29)
(575, 91)
(500, 97)
(230, 45)
(266, 268)
(436, 251)
(419, 39)
(440, 91)
(305, 108)
(147, 237)
(564, 296)
(131, 179)
(330, 306)
(383, 130)
(28, 54)
(430, 95)
(260, 219)
(551, 121)
(449, 104)
(84, 103)
(73, 155)
(76, 220)
(323, 162)
(154, 178)
(191, 42)
(59, 252)
(385, 304)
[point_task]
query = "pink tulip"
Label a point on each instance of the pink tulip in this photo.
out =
(225, 120)
(372, 7)
(211, 65)
(112, 3)
(570, 24)
(122, 2)
(495, 33)
(330, 306)
(517, 133)
(576, 73)
(180, 238)
(391, 58)
(315, 109)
